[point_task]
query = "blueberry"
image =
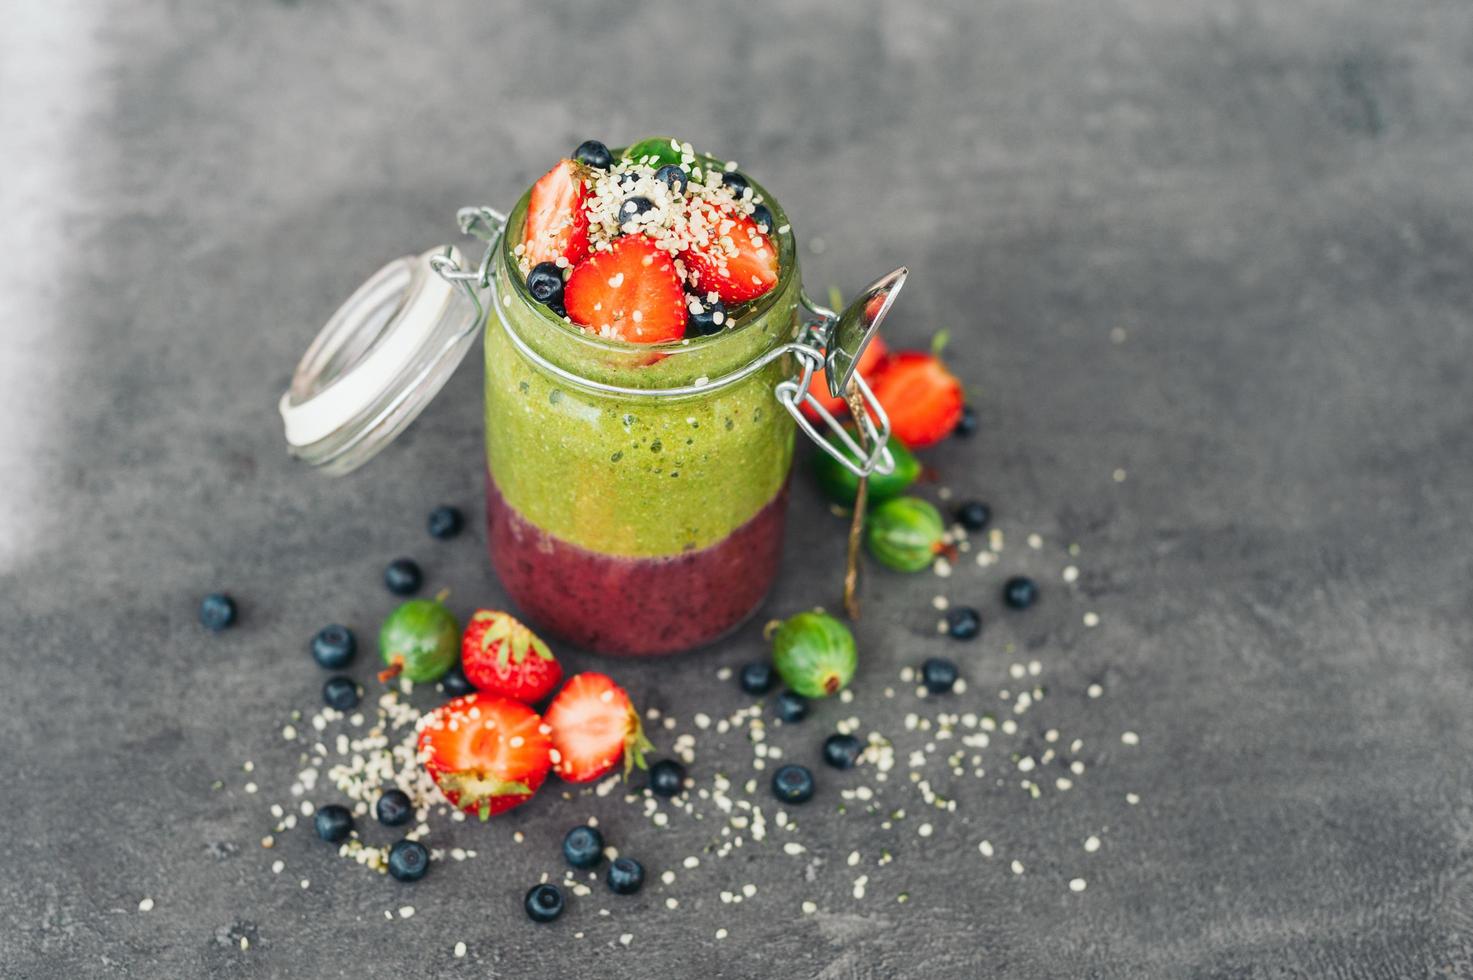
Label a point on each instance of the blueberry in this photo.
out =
(333, 823)
(216, 612)
(1020, 592)
(583, 847)
(393, 808)
(736, 182)
(963, 623)
(667, 777)
(938, 674)
(673, 175)
(445, 522)
(842, 751)
(341, 693)
(711, 318)
(594, 154)
(968, 423)
(626, 876)
(408, 860)
(973, 515)
(455, 682)
(545, 283)
(633, 207)
(756, 678)
(762, 216)
(793, 784)
(791, 707)
(544, 903)
(558, 309)
(333, 647)
(403, 576)
(628, 179)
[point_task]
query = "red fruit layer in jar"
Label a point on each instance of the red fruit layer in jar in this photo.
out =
(635, 606)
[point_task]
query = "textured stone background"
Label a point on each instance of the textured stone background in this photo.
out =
(1271, 199)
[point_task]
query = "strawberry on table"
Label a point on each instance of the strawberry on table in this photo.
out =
(501, 656)
(922, 398)
(557, 221)
(738, 262)
(630, 292)
(487, 754)
(594, 725)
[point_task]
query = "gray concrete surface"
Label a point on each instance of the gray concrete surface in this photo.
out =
(1270, 201)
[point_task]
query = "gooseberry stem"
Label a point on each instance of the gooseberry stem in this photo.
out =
(856, 521)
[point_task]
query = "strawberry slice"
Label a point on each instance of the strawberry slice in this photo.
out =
(557, 221)
(922, 398)
(487, 754)
(738, 262)
(501, 656)
(631, 292)
(871, 362)
(594, 725)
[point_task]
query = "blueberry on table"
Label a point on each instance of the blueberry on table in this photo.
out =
(736, 182)
(674, 176)
(544, 902)
(340, 693)
(333, 823)
(626, 876)
(403, 576)
(967, 424)
(408, 860)
(756, 678)
(1019, 592)
(545, 283)
(793, 784)
(973, 515)
(594, 154)
(963, 623)
(938, 674)
(455, 682)
(217, 612)
(393, 808)
(704, 317)
(791, 707)
(333, 647)
(842, 751)
(762, 217)
(667, 777)
(446, 521)
(583, 847)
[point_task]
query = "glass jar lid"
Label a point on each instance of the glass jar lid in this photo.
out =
(379, 360)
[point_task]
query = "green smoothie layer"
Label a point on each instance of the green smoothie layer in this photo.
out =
(637, 476)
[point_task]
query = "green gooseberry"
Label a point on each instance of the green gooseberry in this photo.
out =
(905, 534)
(814, 654)
(840, 485)
(420, 641)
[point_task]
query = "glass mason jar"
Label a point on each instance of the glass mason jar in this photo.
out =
(635, 493)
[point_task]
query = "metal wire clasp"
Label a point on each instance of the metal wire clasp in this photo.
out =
(819, 323)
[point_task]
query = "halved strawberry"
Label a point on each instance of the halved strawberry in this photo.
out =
(487, 754)
(593, 726)
(739, 262)
(557, 222)
(631, 292)
(922, 398)
(870, 362)
(501, 656)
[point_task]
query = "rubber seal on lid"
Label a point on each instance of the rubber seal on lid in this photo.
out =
(376, 364)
